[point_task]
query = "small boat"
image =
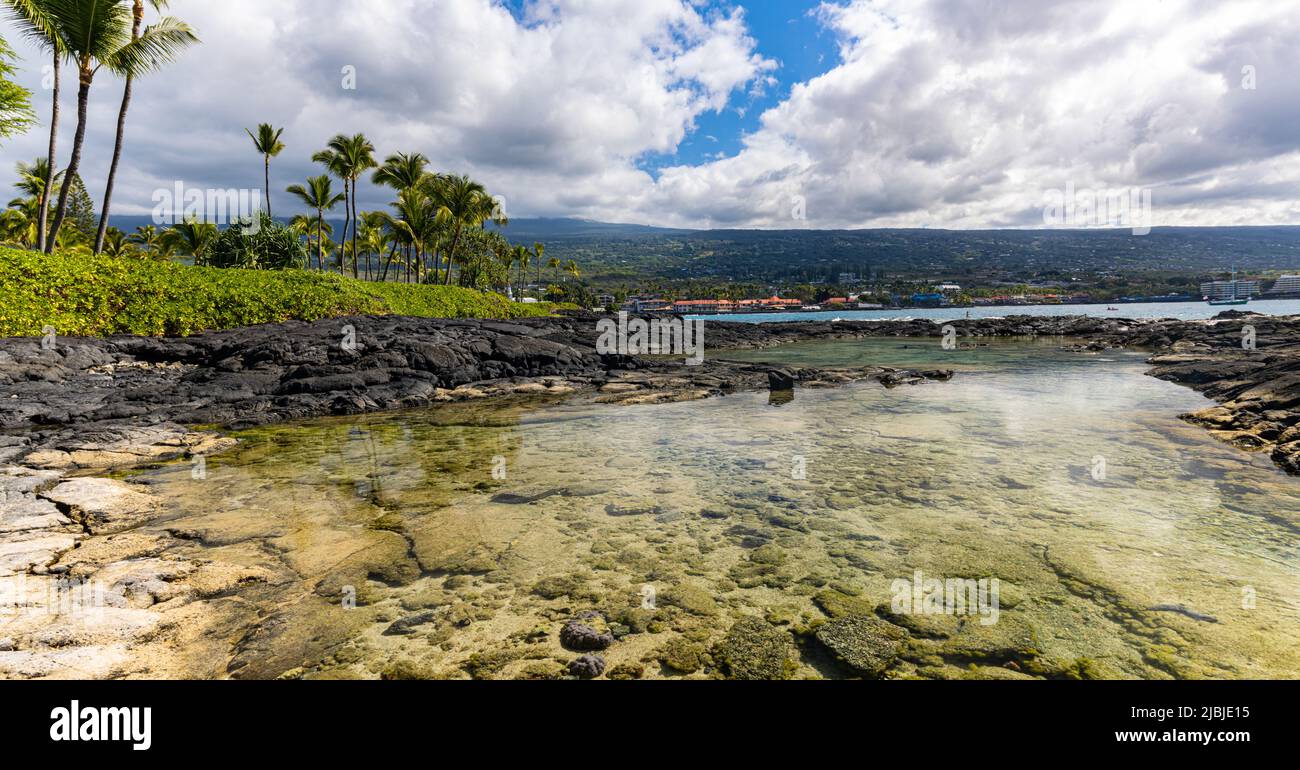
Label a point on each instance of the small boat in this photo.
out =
(1113, 309)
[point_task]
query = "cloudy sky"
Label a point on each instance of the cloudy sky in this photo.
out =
(855, 113)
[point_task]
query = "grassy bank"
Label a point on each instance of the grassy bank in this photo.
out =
(98, 296)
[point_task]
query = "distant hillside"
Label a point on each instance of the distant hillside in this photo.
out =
(621, 252)
(761, 255)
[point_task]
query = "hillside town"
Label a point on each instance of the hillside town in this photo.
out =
(944, 295)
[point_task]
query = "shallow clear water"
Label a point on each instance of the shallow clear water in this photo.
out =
(993, 475)
(1184, 311)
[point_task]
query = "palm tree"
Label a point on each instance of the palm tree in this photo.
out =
(336, 165)
(116, 244)
(374, 236)
(95, 34)
(404, 172)
(554, 265)
(348, 157)
(414, 222)
(318, 195)
(465, 203)
(34, 177)
(19, 221)
(39, 26)
(522, 257)
(571, 268)
(267, 141)
(539, 251)
(191, 238)
(166, 56)
(401, 171)
(306, 226)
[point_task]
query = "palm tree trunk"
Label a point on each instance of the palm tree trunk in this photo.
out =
(391, 253)
(78, 140)
(451, 253)
(44, 213)
(112, 169)
(136, 23)
(356, 221)
(320, 240)
(266, 159)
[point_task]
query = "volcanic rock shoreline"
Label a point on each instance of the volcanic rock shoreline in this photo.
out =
(121, 401)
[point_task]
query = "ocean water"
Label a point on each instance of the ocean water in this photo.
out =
(1125, 542)
(1185, 311)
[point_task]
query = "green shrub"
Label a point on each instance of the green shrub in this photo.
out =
(100, 295)
(271, 247)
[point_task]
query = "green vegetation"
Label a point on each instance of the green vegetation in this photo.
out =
(16, 114)
(88, 295)
(269, 246)
(94, 36)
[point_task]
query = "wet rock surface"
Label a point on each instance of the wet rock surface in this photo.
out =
(866, 645)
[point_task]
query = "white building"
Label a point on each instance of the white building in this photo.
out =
(1230, 289)
(1287, 284)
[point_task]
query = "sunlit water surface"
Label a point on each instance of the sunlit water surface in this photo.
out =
(1067, 477)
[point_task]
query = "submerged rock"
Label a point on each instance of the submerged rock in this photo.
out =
(644, 509)
(587, 667)
(691, 598)
(681, 655)
(753, 649)
(407, 625)
(864, 644)
(581, 637)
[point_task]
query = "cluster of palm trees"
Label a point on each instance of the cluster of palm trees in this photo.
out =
(92, 35)
(435, 233)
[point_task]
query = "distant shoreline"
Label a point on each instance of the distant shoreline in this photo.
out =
(958, 310)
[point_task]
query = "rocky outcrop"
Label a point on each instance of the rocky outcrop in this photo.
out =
(122, 401)
(866, 645)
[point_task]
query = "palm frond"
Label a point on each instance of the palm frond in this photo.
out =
(160, 44)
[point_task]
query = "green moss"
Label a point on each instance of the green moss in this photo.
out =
(1083, 668)
(755, 650)
(486, 665)
(542, 670)
(837, 604)
(626, 671)
(573, 586)
(389, 522)
(691, 598)
(402, 670)
(681, 655)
